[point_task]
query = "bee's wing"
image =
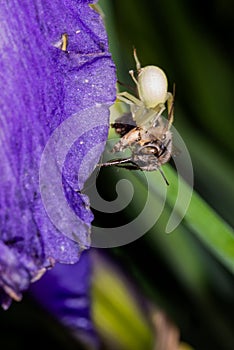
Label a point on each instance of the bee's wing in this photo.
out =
(175, 151)
(144, 117)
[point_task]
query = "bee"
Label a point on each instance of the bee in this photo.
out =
(144, 131)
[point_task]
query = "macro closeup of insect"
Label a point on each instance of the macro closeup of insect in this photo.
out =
(144, 131)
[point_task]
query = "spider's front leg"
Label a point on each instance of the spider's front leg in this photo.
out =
(129, 98)
(170, 107)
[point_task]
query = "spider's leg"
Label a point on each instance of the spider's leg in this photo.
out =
(170, 107)
(128, 98)
(138, 64)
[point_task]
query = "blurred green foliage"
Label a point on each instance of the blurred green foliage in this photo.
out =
(189, 272)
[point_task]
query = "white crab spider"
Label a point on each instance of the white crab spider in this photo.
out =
(143, 131)
(151, 83)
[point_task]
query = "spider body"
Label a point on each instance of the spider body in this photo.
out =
(144, 131)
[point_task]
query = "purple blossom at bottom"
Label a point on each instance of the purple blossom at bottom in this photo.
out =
(63, 292)
(42, 88)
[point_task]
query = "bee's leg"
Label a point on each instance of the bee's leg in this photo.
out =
(115, 162)
(129, 98)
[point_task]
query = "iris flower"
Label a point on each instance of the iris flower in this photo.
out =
(46, 82)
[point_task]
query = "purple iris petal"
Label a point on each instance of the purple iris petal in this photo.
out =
(63, 293)
(43, 87)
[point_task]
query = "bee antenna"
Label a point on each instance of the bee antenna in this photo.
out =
(163, 175)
